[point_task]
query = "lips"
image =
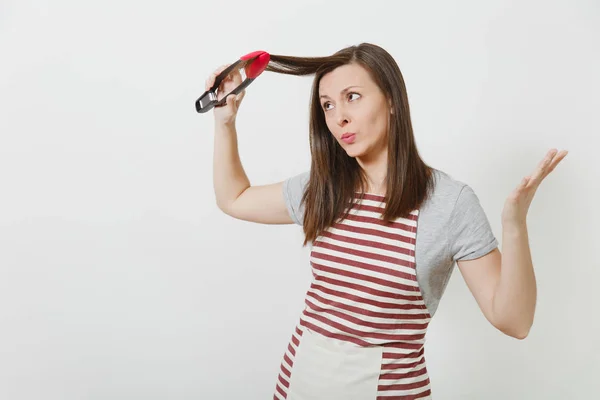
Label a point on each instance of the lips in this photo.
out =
(345, 135)
(349, 138)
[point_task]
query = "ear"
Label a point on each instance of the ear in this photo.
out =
(390, 104)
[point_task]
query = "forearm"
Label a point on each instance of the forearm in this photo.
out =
(515, 295)
(229, 177)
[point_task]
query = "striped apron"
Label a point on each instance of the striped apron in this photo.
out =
(362, 332)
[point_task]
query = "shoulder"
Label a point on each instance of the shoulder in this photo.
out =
(452, 206)
(446, 191)
(293, 191)
(465, 222)
(294, 186)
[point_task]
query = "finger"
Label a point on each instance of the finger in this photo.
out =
(211, 79)
(236, 76)
(540, 171)
(557, 159)
(233, 77)
(230, 101)
(554, 158)
(241, 96)
(236, 100)
(213, 76)
(524, 184)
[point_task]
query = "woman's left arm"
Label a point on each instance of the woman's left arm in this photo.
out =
(503, 284)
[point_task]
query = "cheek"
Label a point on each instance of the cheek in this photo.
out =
(330, 126)
(376, 122)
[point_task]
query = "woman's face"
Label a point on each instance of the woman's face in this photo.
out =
(353, 104)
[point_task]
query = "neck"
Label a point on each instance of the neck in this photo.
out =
(375, 168)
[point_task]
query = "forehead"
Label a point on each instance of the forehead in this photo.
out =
(343, 76)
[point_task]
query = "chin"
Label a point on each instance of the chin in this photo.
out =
(354, 151)
(354, 154)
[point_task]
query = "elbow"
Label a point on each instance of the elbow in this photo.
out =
(519, 335)
(514, 324)
(519, 332)
(222, 207)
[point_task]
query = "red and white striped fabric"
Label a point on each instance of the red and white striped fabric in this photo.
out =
(364, 295)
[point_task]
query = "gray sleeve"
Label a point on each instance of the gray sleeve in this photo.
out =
(470, 235)
(293, 190)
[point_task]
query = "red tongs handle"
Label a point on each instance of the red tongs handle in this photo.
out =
(255, 64)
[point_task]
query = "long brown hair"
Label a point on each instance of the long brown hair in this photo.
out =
(335, 176)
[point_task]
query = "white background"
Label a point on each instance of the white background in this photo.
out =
(121, 279)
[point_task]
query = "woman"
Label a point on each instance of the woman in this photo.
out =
(384, 229)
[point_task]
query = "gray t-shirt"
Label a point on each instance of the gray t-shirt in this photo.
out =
(452, 226)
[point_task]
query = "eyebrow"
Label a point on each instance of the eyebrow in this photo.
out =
(342, 92)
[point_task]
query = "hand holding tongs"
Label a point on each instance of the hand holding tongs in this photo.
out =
(253, 63)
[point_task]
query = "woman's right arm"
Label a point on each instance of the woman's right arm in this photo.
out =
(235, 196)
(263, 204)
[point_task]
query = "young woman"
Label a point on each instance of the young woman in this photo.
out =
(384, 229)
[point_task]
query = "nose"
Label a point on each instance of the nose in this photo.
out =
(342, 117)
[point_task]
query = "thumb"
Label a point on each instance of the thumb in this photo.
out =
(240, 97)
(230, 102)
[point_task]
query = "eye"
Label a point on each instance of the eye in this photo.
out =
(353, 93)
(327, 103)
